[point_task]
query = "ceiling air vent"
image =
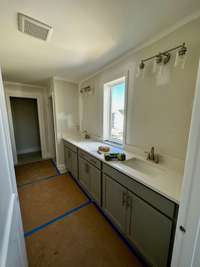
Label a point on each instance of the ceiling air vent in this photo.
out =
(33, 27)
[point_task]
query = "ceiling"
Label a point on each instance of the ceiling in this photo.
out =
(87, 34)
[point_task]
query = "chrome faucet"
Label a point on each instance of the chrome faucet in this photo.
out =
(86, 135)
(152, 155)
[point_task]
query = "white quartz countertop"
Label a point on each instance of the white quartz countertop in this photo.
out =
(168, 183)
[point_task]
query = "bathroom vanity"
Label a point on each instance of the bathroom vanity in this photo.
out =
(140, 205)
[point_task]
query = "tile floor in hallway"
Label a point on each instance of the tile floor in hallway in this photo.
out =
(63, 228)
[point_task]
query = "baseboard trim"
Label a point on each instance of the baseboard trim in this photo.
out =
(28, 150)
(48, 156)
(61, 168)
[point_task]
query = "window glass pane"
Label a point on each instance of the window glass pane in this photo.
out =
(117, 112)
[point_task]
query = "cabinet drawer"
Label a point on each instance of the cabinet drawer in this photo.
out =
(95, 162)
(161, 203)
(70, 146)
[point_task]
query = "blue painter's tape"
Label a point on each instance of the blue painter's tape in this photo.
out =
(37, 180)
(27, 234)
(126, 242)
(54, 164)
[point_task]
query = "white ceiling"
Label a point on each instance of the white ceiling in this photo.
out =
(87, 34)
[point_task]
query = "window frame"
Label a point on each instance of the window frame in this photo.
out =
(108, 86)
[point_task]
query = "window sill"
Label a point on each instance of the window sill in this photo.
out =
(112, 143)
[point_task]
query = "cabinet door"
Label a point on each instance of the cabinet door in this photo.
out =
(74, 164)
(149, 230)
(67, 158)
(84, 176)
(95, 183)
(114, 201)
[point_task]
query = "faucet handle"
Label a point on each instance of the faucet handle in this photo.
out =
(148, 155)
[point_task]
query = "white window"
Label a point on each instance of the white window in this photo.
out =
(114, 104)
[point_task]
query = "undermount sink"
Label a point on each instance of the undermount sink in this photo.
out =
(143, 166)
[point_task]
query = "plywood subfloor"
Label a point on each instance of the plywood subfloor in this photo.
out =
(46, 199)
(31, 172)
(83, 239)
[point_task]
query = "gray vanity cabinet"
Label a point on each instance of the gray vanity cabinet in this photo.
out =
(90, 178)
(146, 218)
(114, 202)
(71, 161)
(149, 230)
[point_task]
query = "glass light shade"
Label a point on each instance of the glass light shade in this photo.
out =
(155, 66)
(180, 60)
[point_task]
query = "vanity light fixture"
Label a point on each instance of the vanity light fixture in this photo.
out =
(164, 57)
(85, 91)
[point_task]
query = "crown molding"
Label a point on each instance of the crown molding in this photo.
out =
(149, 42)
(23, 84)
(58, 78)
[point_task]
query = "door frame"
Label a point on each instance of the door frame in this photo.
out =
(187, 243)
(38, 98)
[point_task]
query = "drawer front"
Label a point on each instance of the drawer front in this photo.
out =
(156, 200)
(70, 146)
(95, 162)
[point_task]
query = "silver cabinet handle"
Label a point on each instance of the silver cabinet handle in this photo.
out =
(129, 206)
(128, 201)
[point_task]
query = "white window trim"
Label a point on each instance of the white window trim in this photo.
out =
(107, 112)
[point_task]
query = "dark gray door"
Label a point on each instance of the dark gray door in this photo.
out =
(114, 202)
(149, 230)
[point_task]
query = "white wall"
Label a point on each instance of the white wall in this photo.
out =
(42, 92)
(26, 124)
(157, 115)
(66, 113)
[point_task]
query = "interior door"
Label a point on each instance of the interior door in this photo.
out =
(114, 202)
(187, 239)
(12, 246)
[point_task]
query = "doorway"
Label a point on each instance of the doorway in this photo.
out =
(26, 129)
